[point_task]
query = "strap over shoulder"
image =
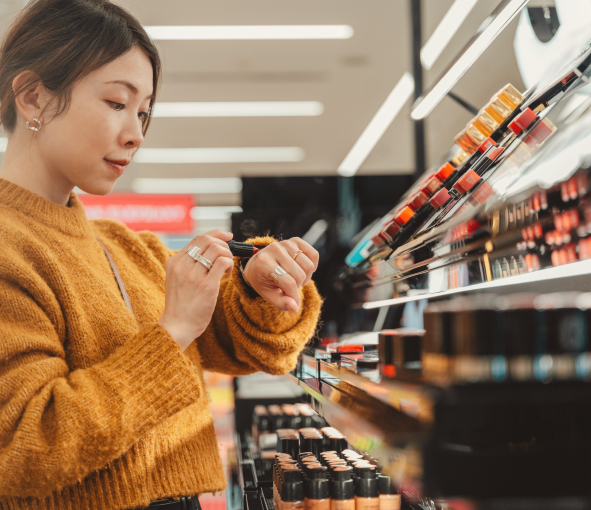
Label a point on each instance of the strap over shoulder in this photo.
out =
(117, 276)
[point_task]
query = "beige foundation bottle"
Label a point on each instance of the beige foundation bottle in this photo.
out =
(389, 498)
(367, 489)
(292, 491)
(342, 491)
(317, 490)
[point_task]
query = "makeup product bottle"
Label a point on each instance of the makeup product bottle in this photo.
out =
(400, 349)
(292, 491)
(367, 489)
(317, 491)
(342, 490)
(389, 498)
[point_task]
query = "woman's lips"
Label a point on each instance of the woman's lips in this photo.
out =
(117, 166)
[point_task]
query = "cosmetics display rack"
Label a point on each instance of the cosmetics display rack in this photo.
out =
(510, 205)
(492, 407)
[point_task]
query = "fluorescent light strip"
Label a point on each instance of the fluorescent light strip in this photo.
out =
(249, 32)
(251, 109)
(197, 186)
(378, 125)
(444, 32)
(221, 155)
(488, 35)
(223, 212)
(580, 268)
(3, 144)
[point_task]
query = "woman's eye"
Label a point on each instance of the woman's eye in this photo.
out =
(144, 115)
(117, 106)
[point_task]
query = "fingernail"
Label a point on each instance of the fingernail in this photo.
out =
(229, 233)
(294, 308)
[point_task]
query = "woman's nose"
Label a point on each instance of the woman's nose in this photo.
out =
(134, 135)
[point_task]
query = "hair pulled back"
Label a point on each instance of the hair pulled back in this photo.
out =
(61, 42)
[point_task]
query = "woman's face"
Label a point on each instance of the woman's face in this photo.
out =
(103, 123)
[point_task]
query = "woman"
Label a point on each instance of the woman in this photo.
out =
(103, 405)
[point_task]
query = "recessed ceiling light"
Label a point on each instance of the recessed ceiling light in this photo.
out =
(444, 32)
(378, 125)
(191, 186)
(237, 109)
(221, 155)
(252, 32)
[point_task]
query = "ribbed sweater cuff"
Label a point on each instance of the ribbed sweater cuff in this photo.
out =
(150, 377)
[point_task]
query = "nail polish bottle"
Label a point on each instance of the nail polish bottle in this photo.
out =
(367, 489)
(317, 490)
(389, 498)
(342, 490)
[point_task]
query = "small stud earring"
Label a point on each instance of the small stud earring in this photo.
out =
(34, 128)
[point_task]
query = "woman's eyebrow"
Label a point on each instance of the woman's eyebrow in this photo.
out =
(130, 86)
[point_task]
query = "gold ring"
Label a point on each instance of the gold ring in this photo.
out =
(295, 255)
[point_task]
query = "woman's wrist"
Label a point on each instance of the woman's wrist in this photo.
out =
(250, 289)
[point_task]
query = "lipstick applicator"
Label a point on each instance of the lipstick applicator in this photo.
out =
(244, 250)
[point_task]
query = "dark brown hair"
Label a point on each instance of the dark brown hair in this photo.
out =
(61, 42)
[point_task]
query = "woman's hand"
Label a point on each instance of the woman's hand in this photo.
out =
(191, 289)
(284, 293)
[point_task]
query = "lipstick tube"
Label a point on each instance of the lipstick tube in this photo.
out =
(417, 221)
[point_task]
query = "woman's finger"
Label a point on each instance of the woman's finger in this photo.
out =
(307, 249)
(307, 266)
(283, 293)
(203, 242)
(280, 256)
(214, 252)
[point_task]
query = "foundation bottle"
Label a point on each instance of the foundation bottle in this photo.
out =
(389, 498)
(317, 490)
(342, 491)
(292, 491)
(367, 489)
(283, 468)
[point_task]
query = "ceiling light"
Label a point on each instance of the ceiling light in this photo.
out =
(198, 186)
(223, 212)
(444, 32)
(580, 268)
(3, 144)
(252, 32)
(488, 32)
(378, 125)
(251, 109)
(221, 155)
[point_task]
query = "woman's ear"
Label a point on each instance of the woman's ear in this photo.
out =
(32, 100)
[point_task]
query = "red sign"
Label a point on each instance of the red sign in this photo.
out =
(160, 213)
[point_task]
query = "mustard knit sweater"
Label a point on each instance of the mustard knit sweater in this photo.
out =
(100, 409)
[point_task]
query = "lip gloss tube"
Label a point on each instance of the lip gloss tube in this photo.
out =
(342, 490)
(389, 498)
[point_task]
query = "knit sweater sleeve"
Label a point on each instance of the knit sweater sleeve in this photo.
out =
(248, 334)
(58, 425)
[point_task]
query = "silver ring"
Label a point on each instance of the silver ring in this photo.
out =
(279, 271)
(193, 251)
(204, 261)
